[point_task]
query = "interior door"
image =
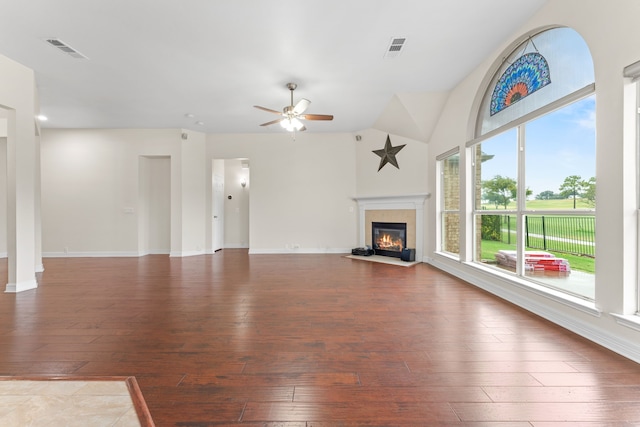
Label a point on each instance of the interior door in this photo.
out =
(218, 212)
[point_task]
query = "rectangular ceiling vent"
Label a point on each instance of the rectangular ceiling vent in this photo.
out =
(395, 47)
(63, 47)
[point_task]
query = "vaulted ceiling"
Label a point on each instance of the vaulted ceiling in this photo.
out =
(203, 64)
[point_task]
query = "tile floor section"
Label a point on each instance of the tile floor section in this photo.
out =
(65, 402)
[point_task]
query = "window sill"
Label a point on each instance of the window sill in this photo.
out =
(584, 306)
(448, 255)
(629, 320)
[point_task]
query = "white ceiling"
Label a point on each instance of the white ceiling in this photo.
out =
(153, 61)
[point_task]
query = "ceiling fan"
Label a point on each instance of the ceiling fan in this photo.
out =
(292, 114)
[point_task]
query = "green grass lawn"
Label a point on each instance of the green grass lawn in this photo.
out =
(580, 263)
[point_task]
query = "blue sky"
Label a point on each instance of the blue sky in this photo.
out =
(559, 144)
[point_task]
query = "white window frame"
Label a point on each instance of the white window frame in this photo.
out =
(442, 211)
(633, 72)
(521, 212)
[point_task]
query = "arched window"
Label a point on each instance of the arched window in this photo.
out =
(543, 69)
(534, 165)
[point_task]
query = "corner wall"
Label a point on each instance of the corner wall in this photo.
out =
(18, 98)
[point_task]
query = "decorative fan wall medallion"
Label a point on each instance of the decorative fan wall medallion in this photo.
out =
(527, 74)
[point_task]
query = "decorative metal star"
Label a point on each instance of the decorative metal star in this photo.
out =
(388, 154)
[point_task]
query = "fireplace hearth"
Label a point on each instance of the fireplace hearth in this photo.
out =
(389, 238)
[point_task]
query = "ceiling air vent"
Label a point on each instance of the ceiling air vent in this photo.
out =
(63, 47)
(395, 47)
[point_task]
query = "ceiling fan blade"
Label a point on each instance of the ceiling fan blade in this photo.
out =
(272, 122)
(317, 117)
(301, 106)
(268, 110)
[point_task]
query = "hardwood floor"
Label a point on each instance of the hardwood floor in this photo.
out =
(310, 340)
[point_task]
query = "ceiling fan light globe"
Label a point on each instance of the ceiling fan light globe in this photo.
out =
(297, 124)
(287, 125)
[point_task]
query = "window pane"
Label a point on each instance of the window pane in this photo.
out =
(451, 233)
(560, 252)
(569, 65)
(496, 171)
(561, 158)
(450, 197)
(496, 241)
(451, 182)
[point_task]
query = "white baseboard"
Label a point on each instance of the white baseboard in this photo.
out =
(89, 254)
(180, 254)
(21, 286)
(300, 251)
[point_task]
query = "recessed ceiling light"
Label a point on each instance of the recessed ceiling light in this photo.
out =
(189, 115)
(199, 123)
(42, 118)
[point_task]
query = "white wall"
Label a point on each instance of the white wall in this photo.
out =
(190, 197)
(154, 205)
(90, 190)
(3, 197)
(301, 191)
(611, 32)
(410, 178)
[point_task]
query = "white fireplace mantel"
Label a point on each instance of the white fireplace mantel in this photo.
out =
(412, 201)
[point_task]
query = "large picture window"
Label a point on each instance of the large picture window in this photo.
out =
(449, 170)
(632, 115)
(534, 165)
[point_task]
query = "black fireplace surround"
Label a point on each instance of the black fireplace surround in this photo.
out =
(389, 238)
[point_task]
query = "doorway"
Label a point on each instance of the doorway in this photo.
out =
(154, 205)
(230, 199)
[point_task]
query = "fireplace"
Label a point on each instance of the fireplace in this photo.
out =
(389, 238)
(403, 208)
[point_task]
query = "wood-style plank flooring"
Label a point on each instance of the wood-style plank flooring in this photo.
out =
(310, 340)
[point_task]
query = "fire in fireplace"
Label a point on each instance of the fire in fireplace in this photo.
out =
(389, 238)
